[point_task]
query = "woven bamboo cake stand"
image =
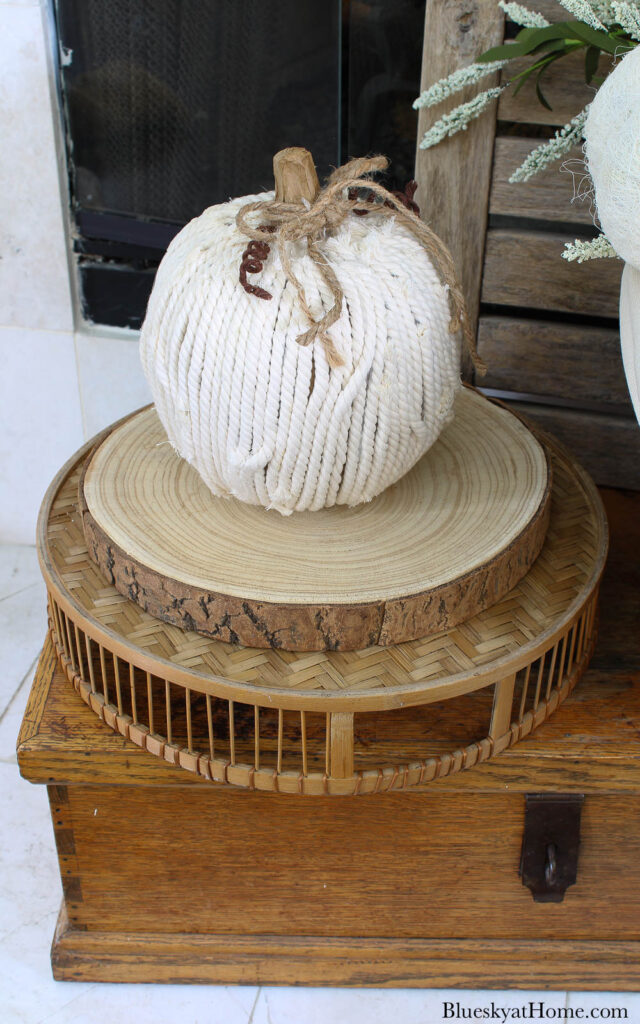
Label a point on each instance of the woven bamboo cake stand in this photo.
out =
(295, 722)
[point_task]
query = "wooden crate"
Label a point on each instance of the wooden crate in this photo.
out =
(168, 877)
(547, 329)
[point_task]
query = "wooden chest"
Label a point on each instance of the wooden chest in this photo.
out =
(169, 877)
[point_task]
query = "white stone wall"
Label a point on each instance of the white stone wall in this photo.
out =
(60, 381)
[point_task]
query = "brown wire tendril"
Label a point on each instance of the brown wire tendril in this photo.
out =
(253, 258)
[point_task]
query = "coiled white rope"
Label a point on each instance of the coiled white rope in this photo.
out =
(269, 421)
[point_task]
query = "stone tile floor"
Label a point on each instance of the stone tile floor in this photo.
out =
(30, 896)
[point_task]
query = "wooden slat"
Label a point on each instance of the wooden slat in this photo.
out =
(607, 446)
(274, 960)
(453, 177)
(550, 9)
(502, 707)
(559, 360)
(116, 672)
(524, 694)
(167, 697)
(549, 196)
(341, 745)
(526, 269)
(563, 86)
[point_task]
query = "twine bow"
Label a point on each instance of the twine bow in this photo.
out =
(286, 223)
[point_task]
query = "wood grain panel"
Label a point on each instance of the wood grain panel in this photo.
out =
(327, 867)
(559, 360)
(607, 446)
(549, 196)
(526, 269)
(455, 32)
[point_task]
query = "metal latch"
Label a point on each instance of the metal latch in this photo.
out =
(549, 858)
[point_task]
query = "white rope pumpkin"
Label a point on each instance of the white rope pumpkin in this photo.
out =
(268, 420)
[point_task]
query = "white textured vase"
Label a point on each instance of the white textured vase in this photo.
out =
(612, 150)
(630, 332)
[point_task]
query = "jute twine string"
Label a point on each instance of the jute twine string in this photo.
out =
(296, 221)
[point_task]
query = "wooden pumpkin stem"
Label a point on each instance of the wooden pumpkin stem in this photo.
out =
(295, 176)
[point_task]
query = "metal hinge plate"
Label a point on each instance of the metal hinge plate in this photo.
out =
(549, 858)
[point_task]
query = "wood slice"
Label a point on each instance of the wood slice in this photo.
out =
(448, 540)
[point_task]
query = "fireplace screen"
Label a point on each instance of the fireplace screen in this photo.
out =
(173, 105)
